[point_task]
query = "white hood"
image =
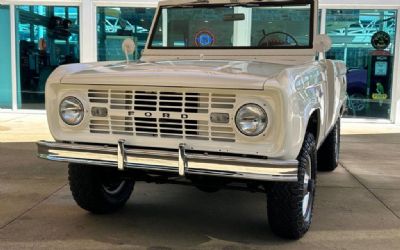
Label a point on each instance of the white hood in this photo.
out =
(184, 73)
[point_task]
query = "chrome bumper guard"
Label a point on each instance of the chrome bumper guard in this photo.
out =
(180, 161)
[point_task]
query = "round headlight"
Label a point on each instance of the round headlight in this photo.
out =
(251, 120)
(71, 111)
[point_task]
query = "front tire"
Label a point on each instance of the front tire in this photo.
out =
(290, 205)
(328, 154)
(98, 190)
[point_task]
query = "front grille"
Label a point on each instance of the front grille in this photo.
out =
(179, 115)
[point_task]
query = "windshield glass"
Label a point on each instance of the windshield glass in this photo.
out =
(222, 26)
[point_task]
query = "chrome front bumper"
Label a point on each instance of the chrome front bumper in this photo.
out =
(178, 161)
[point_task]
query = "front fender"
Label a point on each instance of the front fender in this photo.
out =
(299, 128)
(305, 97)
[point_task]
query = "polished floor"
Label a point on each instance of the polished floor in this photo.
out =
(357, 206)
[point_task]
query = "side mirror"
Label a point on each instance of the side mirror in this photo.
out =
(128, 47)
(322, 43)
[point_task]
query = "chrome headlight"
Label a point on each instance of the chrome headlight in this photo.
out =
(71, 110)
(251, 119)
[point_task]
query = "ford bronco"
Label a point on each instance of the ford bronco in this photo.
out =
(227, 94)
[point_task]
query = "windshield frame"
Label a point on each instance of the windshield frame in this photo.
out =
(250, 4)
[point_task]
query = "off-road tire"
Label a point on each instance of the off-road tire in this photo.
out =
(88, 185)
(328, 153)
(285, 200)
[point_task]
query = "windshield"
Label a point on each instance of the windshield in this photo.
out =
(222, 26)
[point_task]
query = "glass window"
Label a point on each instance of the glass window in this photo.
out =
(224, 26)
(5, 58)
(47, 36)
(114, 25)
(365, 40)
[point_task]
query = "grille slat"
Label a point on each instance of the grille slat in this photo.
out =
(124, 120)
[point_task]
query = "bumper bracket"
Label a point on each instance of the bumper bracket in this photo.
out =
(121, 157)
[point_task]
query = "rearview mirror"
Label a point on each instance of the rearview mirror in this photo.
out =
(234, 17)
(322, 43)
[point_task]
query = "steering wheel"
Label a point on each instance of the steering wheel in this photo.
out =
(272, 39)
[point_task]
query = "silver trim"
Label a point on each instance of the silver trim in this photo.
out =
(121, 157)
(182, 161)
(177, 161)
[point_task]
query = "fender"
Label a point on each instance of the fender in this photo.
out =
(310, 111)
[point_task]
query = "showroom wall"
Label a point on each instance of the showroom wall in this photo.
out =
(5, 59)
(369, 68)
(46, 37)
(45, 34)
(373, 87)
(99, 26)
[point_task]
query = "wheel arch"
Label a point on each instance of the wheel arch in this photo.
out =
(311, 123)
(314, 123)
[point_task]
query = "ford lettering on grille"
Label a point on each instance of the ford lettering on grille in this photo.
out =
(179, 115)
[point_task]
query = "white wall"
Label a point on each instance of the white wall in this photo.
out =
(358, 3)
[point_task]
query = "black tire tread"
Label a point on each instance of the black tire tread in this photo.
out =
(86, 187)
(284, 208)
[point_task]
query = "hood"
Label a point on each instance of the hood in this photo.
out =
(184, 73)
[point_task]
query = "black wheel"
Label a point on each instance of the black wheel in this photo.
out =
(290, 205)
(99, 190)
(328, 153)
